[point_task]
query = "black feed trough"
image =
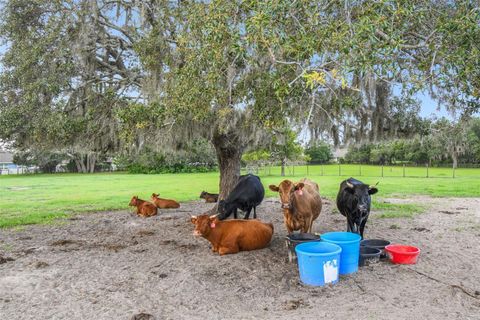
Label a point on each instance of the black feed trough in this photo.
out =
(294, 239)
(377, 244)
(368, 255)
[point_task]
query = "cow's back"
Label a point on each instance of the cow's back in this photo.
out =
(147, 209)
(247, 234)
(312, 202)
(312, 186)
(249, 191)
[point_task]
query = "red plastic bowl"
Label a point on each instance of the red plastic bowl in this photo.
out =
(402, 254)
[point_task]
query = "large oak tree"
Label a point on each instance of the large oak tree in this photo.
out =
(232, 71)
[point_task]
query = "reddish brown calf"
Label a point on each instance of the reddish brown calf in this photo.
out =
(164, 203)
(209, 197)
(232, 236)
(144, 208)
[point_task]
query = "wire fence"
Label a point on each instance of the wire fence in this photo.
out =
(358, 170)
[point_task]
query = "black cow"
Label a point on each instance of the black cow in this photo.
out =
(247, 194)
(353, 201)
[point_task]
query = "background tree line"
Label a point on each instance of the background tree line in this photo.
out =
(446, 142)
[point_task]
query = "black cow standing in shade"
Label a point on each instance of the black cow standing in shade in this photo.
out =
(246, 195)
(353, 201)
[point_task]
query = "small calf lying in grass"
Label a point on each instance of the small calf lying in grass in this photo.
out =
(164, 203)
(144, 208)
(209, 197)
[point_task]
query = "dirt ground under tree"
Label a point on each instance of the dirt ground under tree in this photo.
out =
(114, 265)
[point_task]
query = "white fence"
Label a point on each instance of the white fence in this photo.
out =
(17, 170)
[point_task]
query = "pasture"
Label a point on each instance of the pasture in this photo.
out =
(32, 199)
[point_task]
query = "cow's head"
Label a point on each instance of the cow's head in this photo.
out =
(224, 207)
(133, 201)
(203, 224)
(361, 196)
(155, 196)
(285, 189)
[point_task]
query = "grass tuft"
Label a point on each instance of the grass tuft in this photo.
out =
(390, 210)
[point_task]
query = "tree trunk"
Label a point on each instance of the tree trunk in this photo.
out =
(229, 150)
(335, 136)
(455, 160)
(283, 168)
(382, 89)
(91, 159)
(77, 163)
(80, 162)
(85, 162)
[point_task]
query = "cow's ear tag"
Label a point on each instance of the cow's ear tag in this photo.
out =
(212, 225)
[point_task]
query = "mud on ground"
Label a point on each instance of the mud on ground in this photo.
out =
(114, 265)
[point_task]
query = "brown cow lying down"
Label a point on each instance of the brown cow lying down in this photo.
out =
(301, 204)
(144, 208)
(209, 197)
(164, 203)
(232, 236)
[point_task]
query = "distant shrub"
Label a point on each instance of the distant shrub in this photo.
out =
(199, 156)
(319, 153)
(46, 161)
(359, 154)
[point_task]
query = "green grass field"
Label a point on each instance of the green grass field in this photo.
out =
(31, 199)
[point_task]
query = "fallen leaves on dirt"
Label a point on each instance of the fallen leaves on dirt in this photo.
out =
(146, 233)
(113, 247)
(28, 251)
(65, 242)
(5, 259)
(448, 212)
(420, 229)
(294, 304)
(80, 244)
(165, 242)
(142, 316)
(188, 246)
(40, 264)
(160, 275)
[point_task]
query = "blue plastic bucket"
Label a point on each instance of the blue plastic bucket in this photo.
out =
(350, 243)
(318, 262)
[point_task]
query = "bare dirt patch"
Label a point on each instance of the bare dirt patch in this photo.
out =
(114, 265)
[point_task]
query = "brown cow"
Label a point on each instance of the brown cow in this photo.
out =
(209, 197)
(164, 203)
(232, 236)
(144, 208)
(301, 204)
